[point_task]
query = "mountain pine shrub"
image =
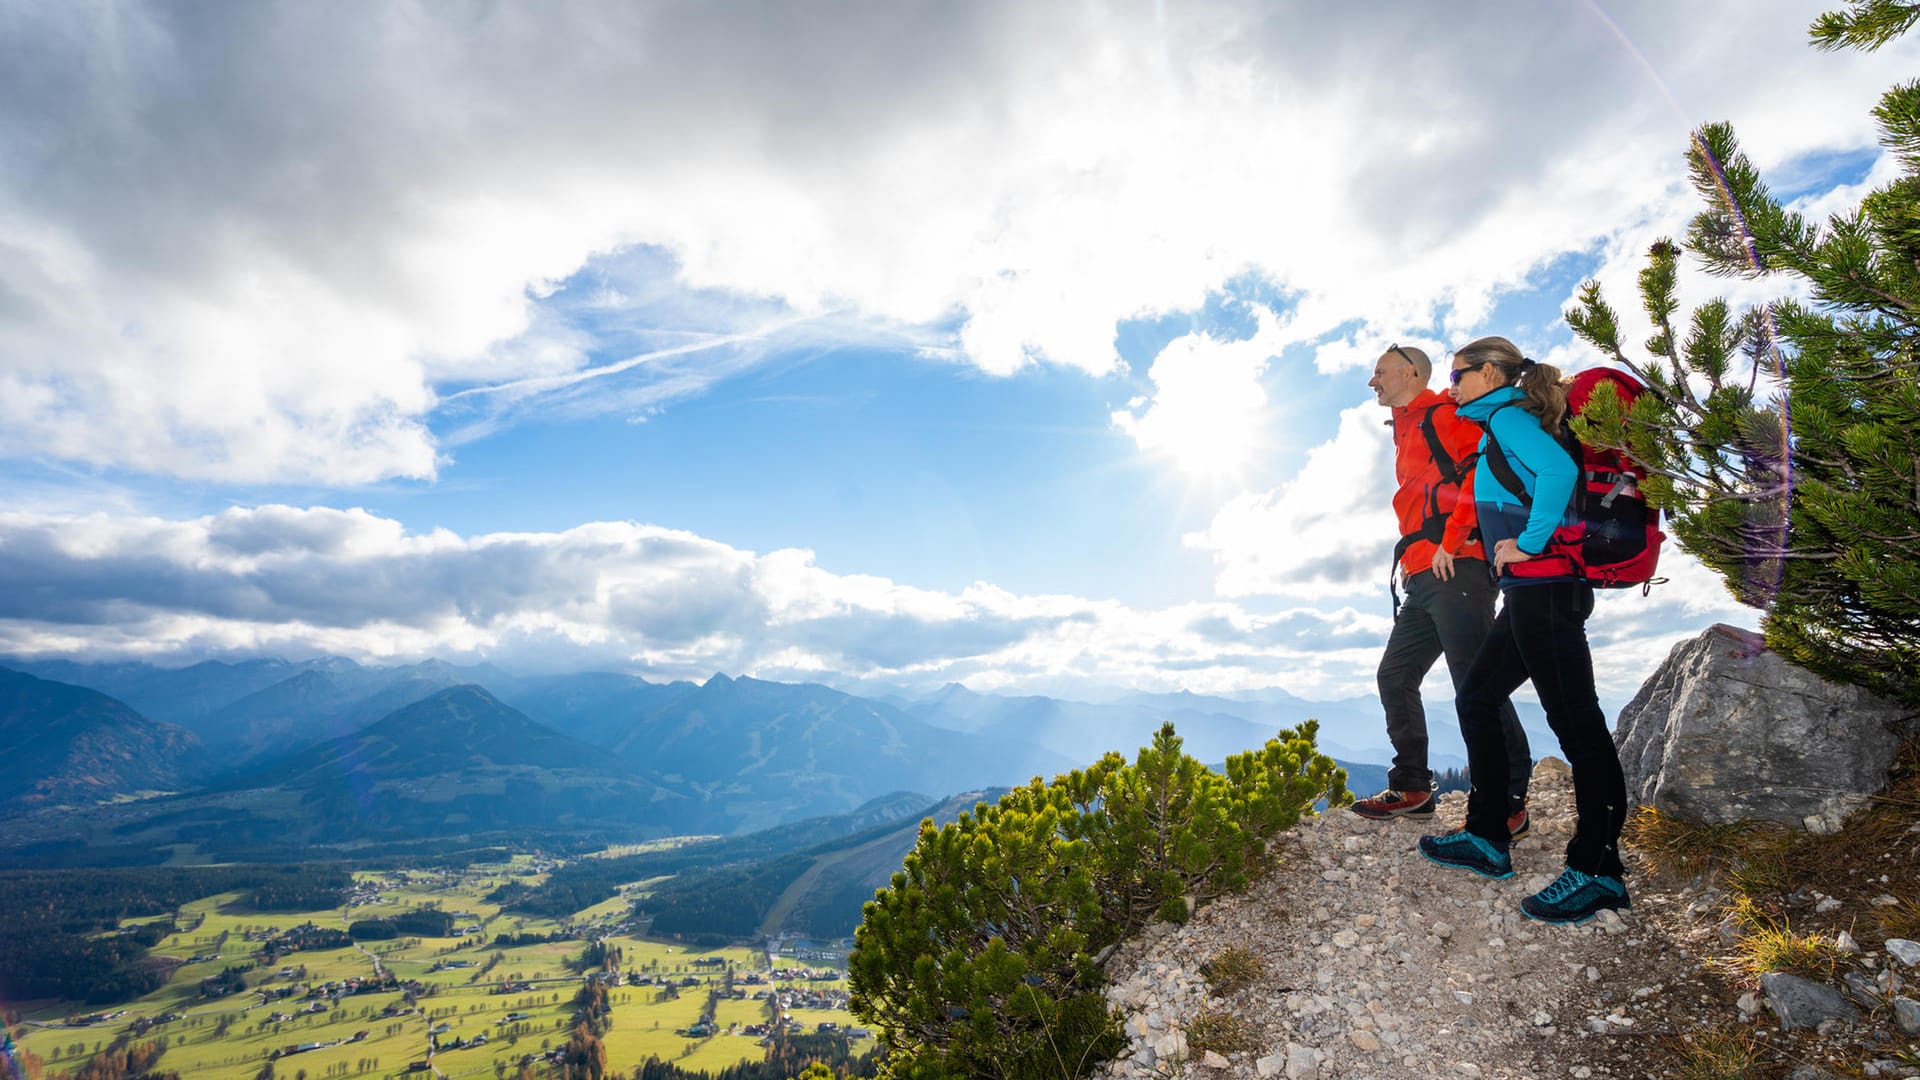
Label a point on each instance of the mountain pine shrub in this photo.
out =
(1784, 439)
(984, 956)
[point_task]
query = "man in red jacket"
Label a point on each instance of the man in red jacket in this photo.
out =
(1450, 591)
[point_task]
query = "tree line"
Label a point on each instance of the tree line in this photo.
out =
(422, 922)
(52, 943)
(721, 905)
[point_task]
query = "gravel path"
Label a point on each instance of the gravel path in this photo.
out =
(1380, 964)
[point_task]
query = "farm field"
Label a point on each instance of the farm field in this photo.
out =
(485, 1006)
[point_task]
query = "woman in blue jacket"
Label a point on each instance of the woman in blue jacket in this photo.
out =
(1539, 635)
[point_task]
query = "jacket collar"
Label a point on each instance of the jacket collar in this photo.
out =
(1424, 400)
(1480, 408)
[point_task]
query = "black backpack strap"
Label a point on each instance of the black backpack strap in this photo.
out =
(1496, 458)
(1430, 529)
(1449, 470)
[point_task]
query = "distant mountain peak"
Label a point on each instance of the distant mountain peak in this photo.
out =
(453, 729)
(718, 681)
(63, 742)
(457, 703)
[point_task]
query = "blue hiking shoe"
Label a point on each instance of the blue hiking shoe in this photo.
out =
(1575, 897)
(1468, 852)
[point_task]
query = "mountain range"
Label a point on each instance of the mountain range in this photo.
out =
(63, 742)
(263, 754)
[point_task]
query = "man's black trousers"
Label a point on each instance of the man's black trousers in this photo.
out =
(1450, 618)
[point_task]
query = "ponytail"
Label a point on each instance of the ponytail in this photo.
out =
(1544, 394)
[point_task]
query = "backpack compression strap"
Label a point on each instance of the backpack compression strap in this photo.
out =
(1496, 458)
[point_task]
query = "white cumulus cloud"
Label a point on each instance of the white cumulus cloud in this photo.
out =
(1208, 412)
(261, 242)
(301, 581)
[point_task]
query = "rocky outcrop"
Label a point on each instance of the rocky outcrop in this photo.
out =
(1377, 963)
(1727, 731)
(1373, 962)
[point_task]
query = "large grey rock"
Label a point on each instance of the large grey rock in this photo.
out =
(1727, 731)
(1906, 1015)
(1800, 1003)
(1907, 952)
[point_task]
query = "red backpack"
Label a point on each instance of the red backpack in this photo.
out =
(1615, 543)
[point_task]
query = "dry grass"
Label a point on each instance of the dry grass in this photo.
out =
(1879, 831)
(1669, 845)
(1901, 920)
(1769, 871)
(1730, 1053)
(1221, 1030)
(1771, 944)
(1877, 852)
(1232, 969)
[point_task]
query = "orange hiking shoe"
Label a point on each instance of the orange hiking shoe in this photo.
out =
(1518, 824)
(1391, 804)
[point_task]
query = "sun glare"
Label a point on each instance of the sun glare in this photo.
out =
(1212, 448)
(1208, 414)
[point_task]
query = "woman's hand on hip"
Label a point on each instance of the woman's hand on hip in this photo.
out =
(1506, 553)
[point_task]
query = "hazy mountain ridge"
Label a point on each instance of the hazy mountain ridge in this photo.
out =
(599, 707)
(172, 695)
(1211, 726)
(330, 751)
(66, 743)
(617, 757)
(465, 756)
(314, 704)
(761, 745)
(727, 756)
(826, 900)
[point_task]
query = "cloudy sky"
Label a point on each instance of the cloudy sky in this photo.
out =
(1021, 344)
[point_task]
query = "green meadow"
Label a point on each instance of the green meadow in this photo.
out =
(460, 994)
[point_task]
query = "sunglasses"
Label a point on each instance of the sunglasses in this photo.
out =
(1395, 348)
(1453, 377)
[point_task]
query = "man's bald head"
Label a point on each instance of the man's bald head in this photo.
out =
(1418, 358)
(1400, 374)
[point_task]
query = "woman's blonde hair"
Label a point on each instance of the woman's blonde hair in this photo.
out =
(1545, 392)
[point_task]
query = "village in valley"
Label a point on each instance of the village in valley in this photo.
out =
(417, 972)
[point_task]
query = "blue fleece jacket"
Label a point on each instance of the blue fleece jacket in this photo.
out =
(1544, 468)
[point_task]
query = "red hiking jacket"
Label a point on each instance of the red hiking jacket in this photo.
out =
(1423, 494)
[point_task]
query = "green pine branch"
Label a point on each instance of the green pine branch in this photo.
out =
(1868, 25)
(1783, 440)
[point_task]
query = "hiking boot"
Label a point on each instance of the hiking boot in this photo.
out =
(1575, 897)
(1518, 824)
(1391, 803)
(1468, 852)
